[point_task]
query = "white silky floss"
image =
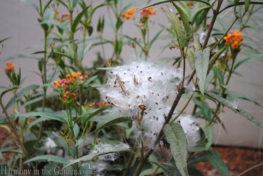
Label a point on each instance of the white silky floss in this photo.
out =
(142, 89)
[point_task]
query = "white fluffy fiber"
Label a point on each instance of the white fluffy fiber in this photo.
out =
(191, 129)
(133, 87)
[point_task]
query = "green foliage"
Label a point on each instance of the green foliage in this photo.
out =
(59, 125)
(176, 138)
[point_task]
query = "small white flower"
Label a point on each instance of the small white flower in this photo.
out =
(50, 143)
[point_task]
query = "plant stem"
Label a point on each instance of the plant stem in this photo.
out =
(44, 78)
(181, 91)
(13, 126)
(211, 26)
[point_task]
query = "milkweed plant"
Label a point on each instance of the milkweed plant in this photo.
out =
(123, 110)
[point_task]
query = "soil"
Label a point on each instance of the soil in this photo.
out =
(237, 159)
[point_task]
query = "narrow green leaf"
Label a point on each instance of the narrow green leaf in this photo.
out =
(134, 41)
(78, 19)
(214, 58)
(169, 1)
(185, 19)
(213, 158)
(199, 11)
(221, 100)
(76, 130)
(209, 134)
(177, 140)
(201, 66)
(233, 107)
(121, 147)
(6, 127)
(253, 57)
(47, 5)
(247, 3)
(155, 38)
(45, 115)
(240, 96)
(20, 94)
(49, 158)
(250, 117)
(75, 2)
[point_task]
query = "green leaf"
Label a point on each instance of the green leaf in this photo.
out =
(213, 158)
(240, 96)
(76, 130)
(209, 134)
(45, 115)
(169, 1)
(21, 93)
(78, 19)
(199, 14)
(176, 27)
(205, 110)
(177, 140)
(47, 5)
(134, 41)
(185, 19)
(121, 147)
(75, 2)
(90, 80)
(253, 57)
(6, 127)
(201, 67)
(247, 3)
(155, 38)
(233, 107)
(214, 58)
(48, 158)
(249, 117)
(109, 119)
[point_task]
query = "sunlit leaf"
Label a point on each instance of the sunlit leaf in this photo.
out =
(201, 66)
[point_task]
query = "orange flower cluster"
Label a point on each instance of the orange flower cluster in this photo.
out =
(68, 86)
(149, 11)
(234, 38)
(129, 13)
(61, 18)
(9, 67)
(99, 104)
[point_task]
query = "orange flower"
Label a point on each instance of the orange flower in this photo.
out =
(235, 44)
(74, 75)
(190, 4)
(104, 103)
(68, 77)
(65, 17)
(56, 84)
(66, 95)
(234, 38)
(9, 67)
(149, 11)
(129, 13)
